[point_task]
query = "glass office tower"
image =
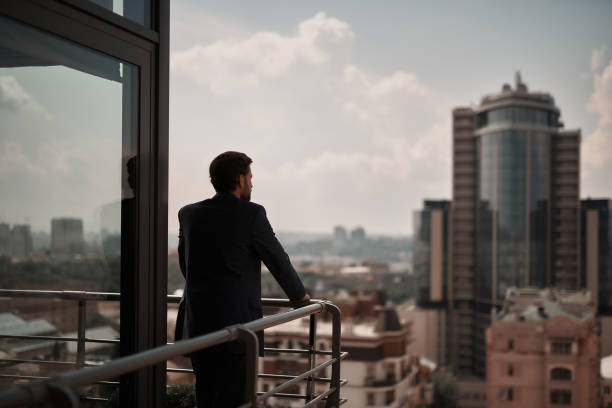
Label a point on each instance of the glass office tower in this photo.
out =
(515, 210)
(513, 137)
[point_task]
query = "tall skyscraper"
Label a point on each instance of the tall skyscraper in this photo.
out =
(340, 236)
(515, 211)
(66, 236)
(358, 236)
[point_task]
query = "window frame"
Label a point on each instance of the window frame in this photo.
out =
(560, 374)
(144, 283)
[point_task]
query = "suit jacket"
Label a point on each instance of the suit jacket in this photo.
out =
(222, 242)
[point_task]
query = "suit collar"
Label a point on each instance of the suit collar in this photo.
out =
(225, 196)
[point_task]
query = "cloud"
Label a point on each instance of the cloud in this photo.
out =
(15, 99)
(332, 141)
(598, 58)
(227, 65)
(596, 151)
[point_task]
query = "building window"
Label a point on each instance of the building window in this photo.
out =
(370, 398)
(561, 397)
(562, 374)
(322, 346)
(289, 344)
(510, 344)
(606, 390)
(561, 347)
(510, 369)
(370, 371)
(506, 394)
(389, 397)
(390, 370)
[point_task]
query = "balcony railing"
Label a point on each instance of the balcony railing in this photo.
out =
(61, 387)
(389, 380)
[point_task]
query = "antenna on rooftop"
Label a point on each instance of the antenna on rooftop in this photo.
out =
(520, 86)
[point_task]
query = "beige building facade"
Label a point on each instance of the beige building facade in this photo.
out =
(379, 368)
(543, 351)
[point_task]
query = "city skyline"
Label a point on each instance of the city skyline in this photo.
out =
(344, 109)
(342, 105)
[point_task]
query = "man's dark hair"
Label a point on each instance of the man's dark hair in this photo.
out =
(226, 168)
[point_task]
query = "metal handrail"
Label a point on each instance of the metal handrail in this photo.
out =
(62, 386)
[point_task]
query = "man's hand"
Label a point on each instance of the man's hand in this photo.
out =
(302, 302)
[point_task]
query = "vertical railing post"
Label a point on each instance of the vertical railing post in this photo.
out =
(250, 378)
(312, 333)
(80, 357)
(333, 400)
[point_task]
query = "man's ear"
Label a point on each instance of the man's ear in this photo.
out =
(241, 181)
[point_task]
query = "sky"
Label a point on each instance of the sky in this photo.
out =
(345, 107)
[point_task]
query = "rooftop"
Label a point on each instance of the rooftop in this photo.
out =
(539, 305)
(520, 91)
(375, 328)
(12, 324)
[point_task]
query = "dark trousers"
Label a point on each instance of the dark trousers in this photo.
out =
(219, 378)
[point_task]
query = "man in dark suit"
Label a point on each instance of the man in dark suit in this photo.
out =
(222, 242)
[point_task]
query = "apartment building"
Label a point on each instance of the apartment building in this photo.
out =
(543, 350)
(379, 369)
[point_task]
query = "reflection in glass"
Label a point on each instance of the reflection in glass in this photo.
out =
(513, 216)
(421, 255)
(539, 187)
(138, 11)
(510, 210)
(67, 190)
(518, 114)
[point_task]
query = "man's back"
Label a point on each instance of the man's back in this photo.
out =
(222, 243)
(221, 269)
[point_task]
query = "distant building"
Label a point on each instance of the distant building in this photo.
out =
(429, 328)
(514, 218)
(430, 258)
(472, 392)
(596, 251)
(5, 239)
(430, 253)
(340, 236)
(67, 236)
(358, 236)
(21, 240)
(376, 266)
(379, 370)
(596, 262)
(542, 350)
